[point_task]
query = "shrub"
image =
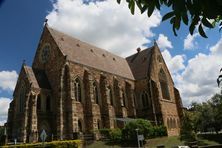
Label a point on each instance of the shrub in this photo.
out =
(105, 133)
(186, 131)
(116, 135)
(144, 127)
(159, 131)
(53, 144)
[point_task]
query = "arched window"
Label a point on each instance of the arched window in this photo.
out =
(164, 85)
(178, 123)
(168, 123)
(77, 90)
(109, 95)
(39, 102)
(48, 104)
(79, 126)
(134, 100)
(98, 124)
(96, 93)
(174, 123)
(123, 98)
(146, 100)
(22, 99)
(171, 123)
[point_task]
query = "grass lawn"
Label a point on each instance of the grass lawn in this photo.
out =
(101, 144)
(168, 142)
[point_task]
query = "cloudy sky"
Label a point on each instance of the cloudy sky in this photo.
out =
(193, 61)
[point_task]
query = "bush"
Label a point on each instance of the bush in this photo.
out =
(159, 131)
(116, 135)
(53, 144)
(105, 133)
(186, 131)
(144, 127)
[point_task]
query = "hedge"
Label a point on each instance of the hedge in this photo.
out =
(53, 144)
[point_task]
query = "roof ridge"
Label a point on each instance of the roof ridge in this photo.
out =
(143, 50)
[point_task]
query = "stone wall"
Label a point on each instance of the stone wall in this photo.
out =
(117, 97)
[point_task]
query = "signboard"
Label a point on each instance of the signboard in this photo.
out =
(140, 137)
(43, 135)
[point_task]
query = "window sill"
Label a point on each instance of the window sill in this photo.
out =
(166, 100)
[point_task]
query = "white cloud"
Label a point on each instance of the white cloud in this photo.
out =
(175, 64)
(198, 81)
(189, 42)
(105, 24)
(4, 105)
(8, 80)
(217, 48)
(163, 42)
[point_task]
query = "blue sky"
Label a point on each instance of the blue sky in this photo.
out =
(194, 62)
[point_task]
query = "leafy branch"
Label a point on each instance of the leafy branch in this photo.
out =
(193, 13)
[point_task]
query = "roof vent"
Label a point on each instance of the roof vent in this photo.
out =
(138, 49)
(91, 50)
(104, 55)
(77, 45)
(62, 39)
(114, 59)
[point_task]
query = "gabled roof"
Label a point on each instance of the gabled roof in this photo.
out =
(89, 55)
(31, 76)
(140, 63)
(38, 78)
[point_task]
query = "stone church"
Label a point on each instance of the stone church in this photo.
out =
(76, 87)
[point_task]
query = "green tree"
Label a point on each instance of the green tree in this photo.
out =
(202, 116)
(193, 13)
(216, 103)
(187, 129)
(2, 136)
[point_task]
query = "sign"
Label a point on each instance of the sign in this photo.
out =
(43, 135)
(140, 137)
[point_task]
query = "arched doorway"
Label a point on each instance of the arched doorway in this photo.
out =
(44, 125)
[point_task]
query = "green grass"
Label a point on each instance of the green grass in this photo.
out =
(57, 144)
(168, 142)
(210, 139)
(151, 143)
(101, 144)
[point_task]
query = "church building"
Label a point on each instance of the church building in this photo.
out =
(73, 86)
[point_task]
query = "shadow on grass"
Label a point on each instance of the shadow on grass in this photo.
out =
(122, 143)
(211, 137)
(108, 143)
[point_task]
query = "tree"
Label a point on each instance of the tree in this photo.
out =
(207, 116)
(187, 131)
(2, 136)
(193, 13)
(216, 104)
(202, 116)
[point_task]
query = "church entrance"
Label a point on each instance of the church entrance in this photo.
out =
(45, 126)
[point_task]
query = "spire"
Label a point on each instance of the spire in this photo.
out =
(154, 42)
(46, 22)
(23, 63)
